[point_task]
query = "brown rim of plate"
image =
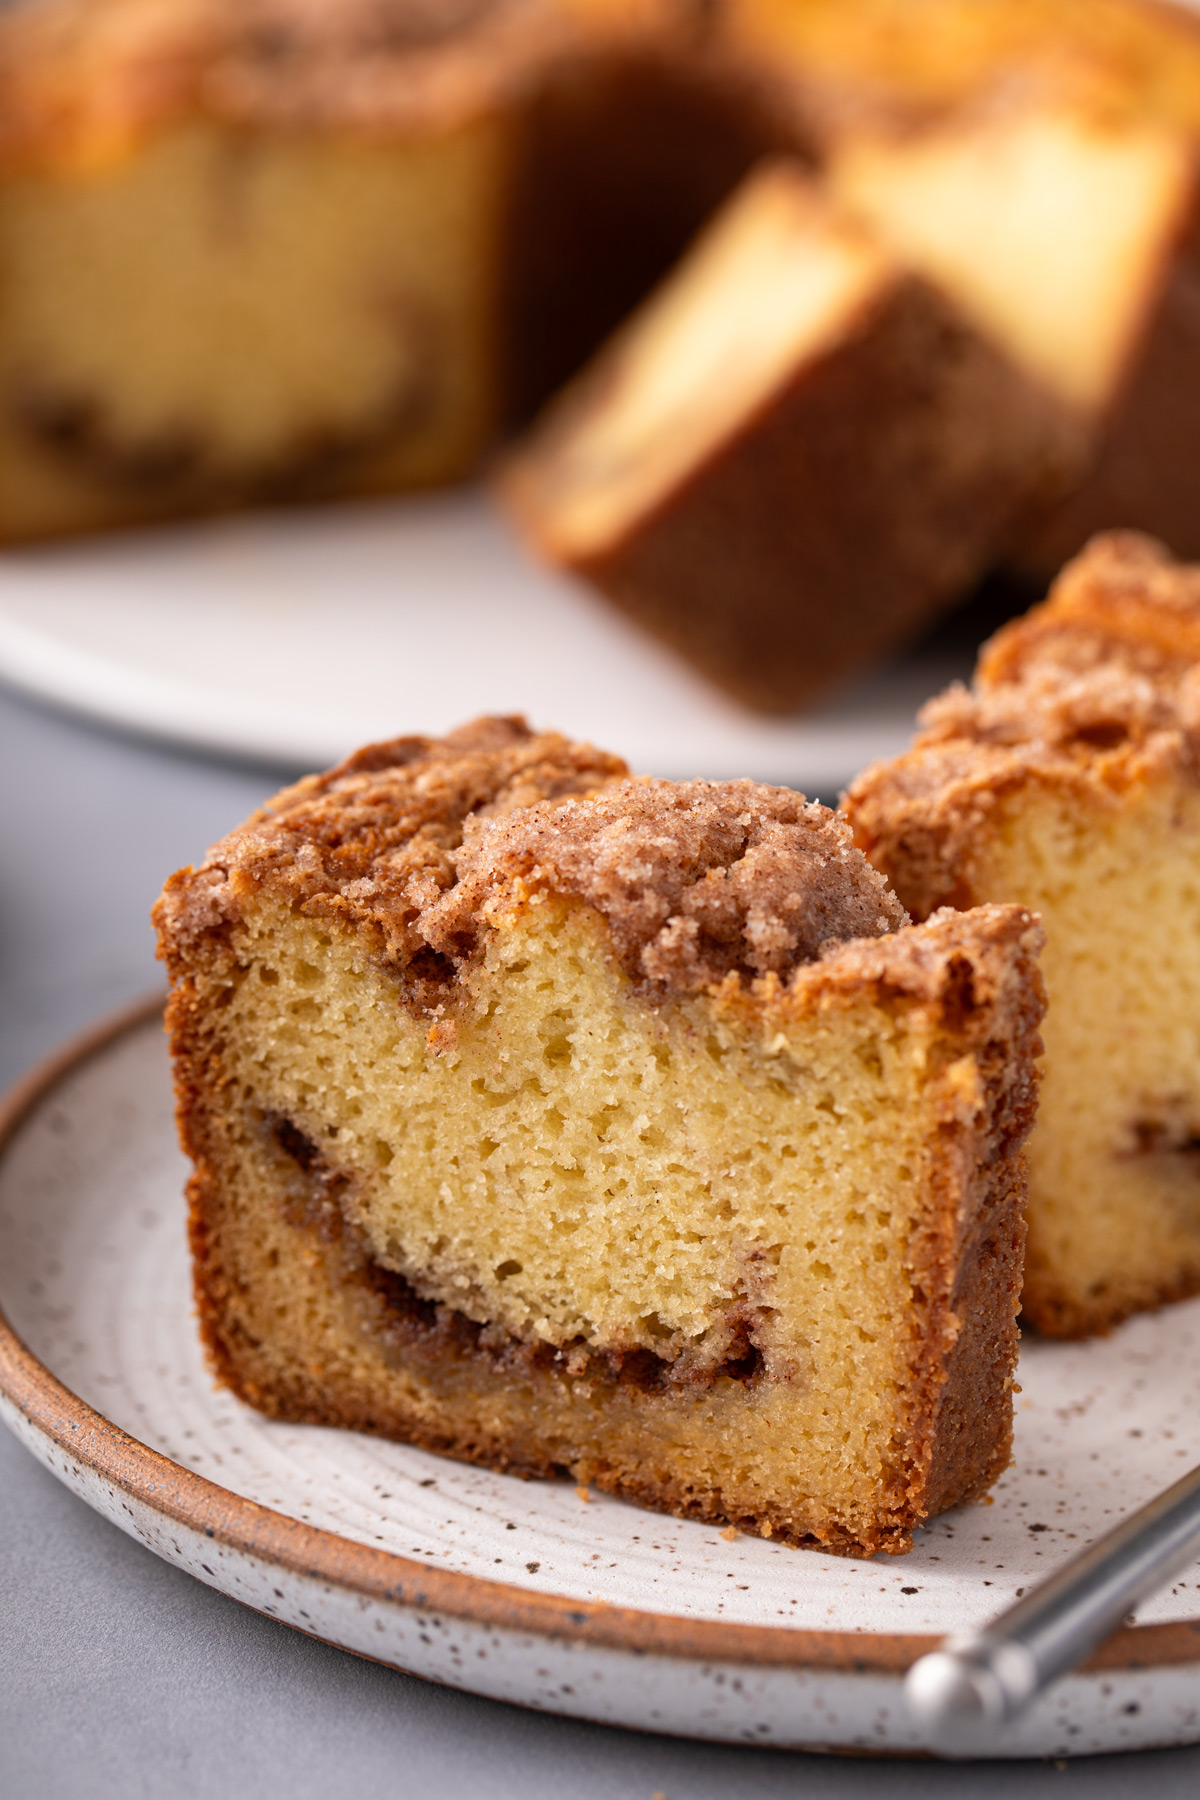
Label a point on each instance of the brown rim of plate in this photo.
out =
(201, 1506)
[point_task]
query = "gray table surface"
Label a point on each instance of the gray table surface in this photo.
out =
(120, 1676)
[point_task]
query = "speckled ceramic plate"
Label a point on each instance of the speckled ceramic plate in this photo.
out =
(530, 1591)
(299, 636)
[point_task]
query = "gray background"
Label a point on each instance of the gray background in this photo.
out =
(120, 1676)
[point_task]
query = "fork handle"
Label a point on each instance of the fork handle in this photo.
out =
(963, 1693)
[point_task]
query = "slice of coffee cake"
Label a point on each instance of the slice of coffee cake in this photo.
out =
(793, 456)
(1066, 779)
(566, 1122)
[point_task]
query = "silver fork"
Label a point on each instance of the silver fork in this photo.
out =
(963, 1693)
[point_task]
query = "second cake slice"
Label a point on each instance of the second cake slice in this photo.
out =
(1066, 779)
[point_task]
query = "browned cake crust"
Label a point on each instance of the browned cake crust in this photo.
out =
(613, 130)
(411, 845)
(871, 67)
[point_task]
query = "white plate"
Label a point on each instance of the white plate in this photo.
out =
(296, 637)
(522, 1590)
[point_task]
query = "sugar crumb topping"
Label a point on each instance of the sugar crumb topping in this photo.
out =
(696, 879)
(417, 842)
(1112, 657)
(1092, 694)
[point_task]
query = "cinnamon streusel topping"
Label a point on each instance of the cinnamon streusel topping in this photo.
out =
(696, 879)
(417, 842)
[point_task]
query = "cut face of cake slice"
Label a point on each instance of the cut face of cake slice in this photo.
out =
(569, 1123)
(1066, 779)
(193, 377)
(1068, 236)
(792, 456)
